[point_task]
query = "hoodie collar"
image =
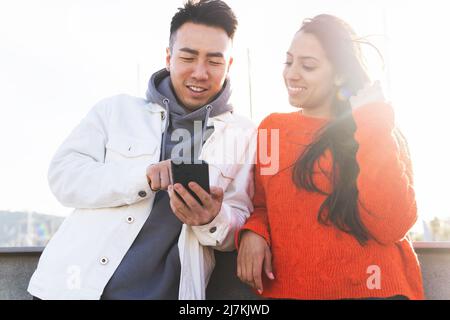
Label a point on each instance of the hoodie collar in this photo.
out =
(160, 91)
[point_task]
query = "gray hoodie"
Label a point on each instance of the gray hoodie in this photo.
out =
(160, 91)
(151, 267)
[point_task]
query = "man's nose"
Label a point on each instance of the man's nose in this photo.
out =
(200, 71)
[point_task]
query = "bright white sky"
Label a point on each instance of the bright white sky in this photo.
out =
(57, 58)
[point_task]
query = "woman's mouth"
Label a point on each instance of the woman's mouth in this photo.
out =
(295, 90)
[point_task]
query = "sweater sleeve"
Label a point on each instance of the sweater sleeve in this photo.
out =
(258, 221)
(385, 182)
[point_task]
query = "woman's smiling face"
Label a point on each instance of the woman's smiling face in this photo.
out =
(309, 75)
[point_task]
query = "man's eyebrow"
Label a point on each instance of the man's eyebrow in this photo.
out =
(215, 54)
(209, 54)
(189, 50)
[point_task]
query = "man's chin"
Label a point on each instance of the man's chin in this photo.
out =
(194, 105)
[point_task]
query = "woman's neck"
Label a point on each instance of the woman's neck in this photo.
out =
(323, 112)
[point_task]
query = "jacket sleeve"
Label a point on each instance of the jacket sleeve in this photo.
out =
(236, 208)
(387, 202)
(79, 177)
(237, 202)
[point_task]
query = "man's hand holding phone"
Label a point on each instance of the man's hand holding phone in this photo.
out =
(191, 198)
(176, 178)
(189, 210)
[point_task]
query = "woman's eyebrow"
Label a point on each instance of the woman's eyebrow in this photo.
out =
(303, 57)
(308, 57)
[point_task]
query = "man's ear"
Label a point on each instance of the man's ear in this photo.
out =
(229, 64)
(168, 55)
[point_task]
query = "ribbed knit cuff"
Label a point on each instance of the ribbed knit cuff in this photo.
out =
(254, 228)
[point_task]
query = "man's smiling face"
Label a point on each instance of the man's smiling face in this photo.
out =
(198, 62)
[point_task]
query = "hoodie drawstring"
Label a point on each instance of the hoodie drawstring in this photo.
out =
(205, 124)
(163, 147)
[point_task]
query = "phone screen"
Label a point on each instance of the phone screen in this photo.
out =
(184, 173)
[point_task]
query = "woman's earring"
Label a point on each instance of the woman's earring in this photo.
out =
(343, 94)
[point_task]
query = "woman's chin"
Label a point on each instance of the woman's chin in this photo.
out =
(297, 103)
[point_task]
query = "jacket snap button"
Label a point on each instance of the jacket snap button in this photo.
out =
(104, 260)
(130, 219)
(213, 229)
(142, 194)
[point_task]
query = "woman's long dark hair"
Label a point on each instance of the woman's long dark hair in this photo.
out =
(340, 207)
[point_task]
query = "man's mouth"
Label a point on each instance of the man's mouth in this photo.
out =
(196, 89)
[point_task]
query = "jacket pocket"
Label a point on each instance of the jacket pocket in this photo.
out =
(121, 148)
(222, 175)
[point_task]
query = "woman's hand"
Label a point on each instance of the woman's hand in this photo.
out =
(254, 253)
(370, 93)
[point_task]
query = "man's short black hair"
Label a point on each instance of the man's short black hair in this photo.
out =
(214, 13)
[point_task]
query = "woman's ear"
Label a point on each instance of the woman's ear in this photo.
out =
(339, 80)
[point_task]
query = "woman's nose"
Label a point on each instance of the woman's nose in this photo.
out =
(292, 73)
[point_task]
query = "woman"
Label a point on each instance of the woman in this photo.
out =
(331, 223)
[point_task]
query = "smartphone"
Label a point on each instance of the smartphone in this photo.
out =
(184, 173)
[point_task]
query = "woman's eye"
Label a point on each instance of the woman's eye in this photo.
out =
(308, 68)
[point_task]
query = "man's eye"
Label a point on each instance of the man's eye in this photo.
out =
(187, 59)
(215, 63)
(288, 63)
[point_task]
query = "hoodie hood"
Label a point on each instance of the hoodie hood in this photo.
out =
(160, 91)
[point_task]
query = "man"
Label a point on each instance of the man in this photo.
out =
(131, 235)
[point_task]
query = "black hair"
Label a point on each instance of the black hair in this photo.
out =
(214, 13)
(340, 207)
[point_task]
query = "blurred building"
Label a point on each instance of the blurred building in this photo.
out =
(27, 229)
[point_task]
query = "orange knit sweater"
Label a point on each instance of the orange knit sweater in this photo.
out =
(314, 261)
